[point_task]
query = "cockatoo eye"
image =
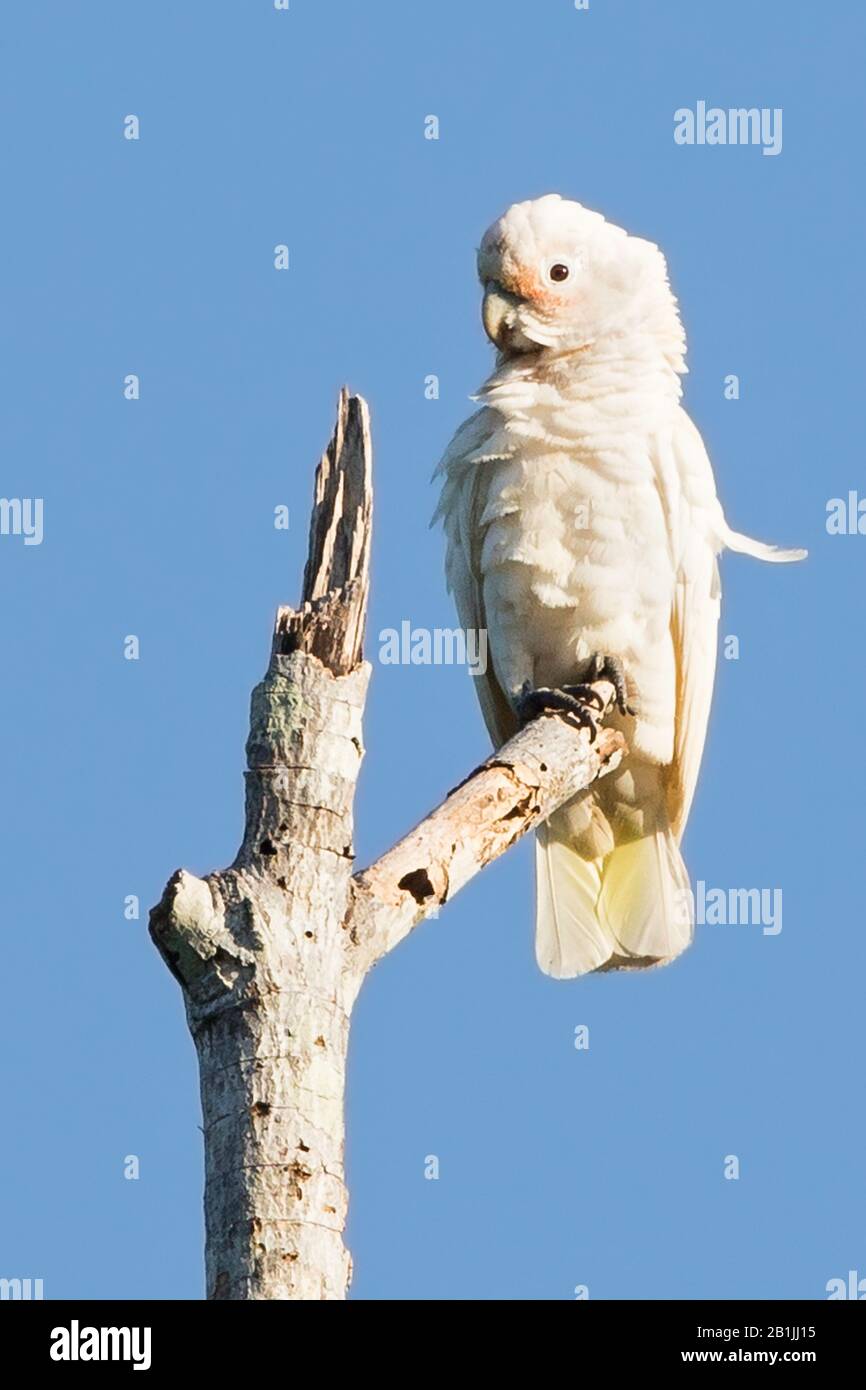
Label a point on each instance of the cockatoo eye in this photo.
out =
(558, 272)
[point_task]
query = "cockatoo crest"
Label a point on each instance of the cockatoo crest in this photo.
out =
(559, 277)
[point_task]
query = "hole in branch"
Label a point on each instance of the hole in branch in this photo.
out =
(418, 884)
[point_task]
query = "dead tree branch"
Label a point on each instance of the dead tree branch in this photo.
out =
(270, 953)
(543, 766)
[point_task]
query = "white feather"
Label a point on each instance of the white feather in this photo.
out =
(760, 550)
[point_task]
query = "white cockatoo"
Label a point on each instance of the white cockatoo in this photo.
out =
(583, 531)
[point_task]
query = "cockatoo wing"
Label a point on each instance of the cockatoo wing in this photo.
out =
(694, 520)
(698, 532)
(460, 508)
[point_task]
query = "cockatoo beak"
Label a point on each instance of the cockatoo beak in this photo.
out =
(497, 313)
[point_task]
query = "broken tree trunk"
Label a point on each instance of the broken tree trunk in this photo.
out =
(270, 954)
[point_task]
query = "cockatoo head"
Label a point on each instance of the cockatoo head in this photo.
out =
(558, 277)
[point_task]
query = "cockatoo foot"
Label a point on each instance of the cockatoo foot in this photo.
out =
(610, 668)
(581, 702)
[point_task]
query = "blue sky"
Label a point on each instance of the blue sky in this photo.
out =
(558, 1167)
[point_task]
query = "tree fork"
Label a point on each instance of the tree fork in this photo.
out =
(270, 953)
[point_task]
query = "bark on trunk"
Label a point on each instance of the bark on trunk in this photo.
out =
(270, 953)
